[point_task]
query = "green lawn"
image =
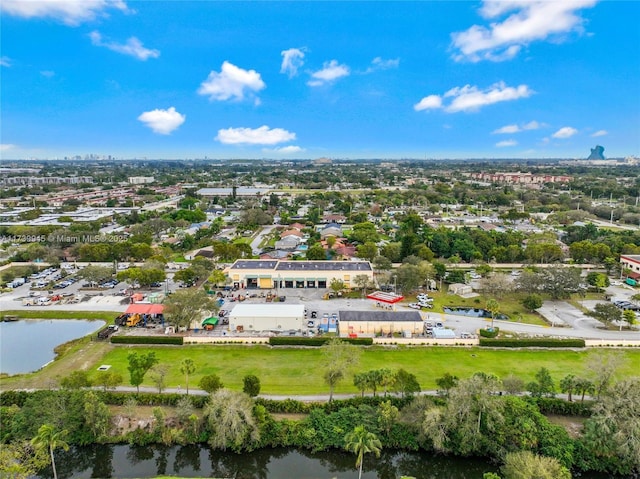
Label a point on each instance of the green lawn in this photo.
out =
(298, 371)
(509, 305)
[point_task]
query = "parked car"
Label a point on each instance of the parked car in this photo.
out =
(414, 305)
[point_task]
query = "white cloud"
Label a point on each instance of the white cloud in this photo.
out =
(285, 150)
(162, 121)
(292, 59)
(231, 82)
(133, 47)
(599, 133)
(379, 63)
(470, 98)
(565, 132)
(428, 103)
(48, 73)
(5, 61)
(6, 146)
(71, 12)
(508, 129)
(330, 72)
(527, 21)
(256, 136)
(505, 143)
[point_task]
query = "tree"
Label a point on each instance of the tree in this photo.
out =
(409, 277)
(21, 460)
(210, 383)
(186, 305)
(513, 385)
(360, 441)
(76, 380)
(472, 415)
(568, 385)
(50, 439)
(597, 280)
(543, 386)
(583, 387)
(229, 418)
(138, 366)
(361, 381)
(405, 383)
(607, 313)
(630, 318)
(532, 302)
(494, 308)
(374, 379)
(497, 285)
(526, 465)
(251, 385)
(187, 367)
(368, 251)
(338, 357)
(612, 430)
(95, 274)
(362, 282)
(336, 285)
(602, 366)
(446, 382)
(158, 375)
(108, 379)
(387, 415)
(316, 252)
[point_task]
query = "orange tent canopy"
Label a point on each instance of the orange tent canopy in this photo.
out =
(142, 308)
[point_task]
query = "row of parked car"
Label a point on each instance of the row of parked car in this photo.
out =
(624, 305)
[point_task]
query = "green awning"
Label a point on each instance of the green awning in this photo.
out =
(213, 320)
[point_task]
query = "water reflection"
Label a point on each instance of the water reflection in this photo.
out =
(28, 345)
(123, 461)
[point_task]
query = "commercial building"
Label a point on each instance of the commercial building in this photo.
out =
(274, 274)
(267, 317)
(372, 323)
(631, 262)
(141, 180)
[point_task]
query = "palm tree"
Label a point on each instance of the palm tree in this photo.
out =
(48, 438)
(493, 307)
(360, 441)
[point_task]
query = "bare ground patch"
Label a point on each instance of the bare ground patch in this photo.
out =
(572, 424)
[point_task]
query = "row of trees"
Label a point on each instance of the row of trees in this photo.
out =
(473, 420)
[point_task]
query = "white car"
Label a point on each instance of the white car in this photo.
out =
(475, 276)
(414, 305)
(423, 297)
(616, 283)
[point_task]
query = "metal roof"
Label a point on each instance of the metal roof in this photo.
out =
(267, 310)
(380, 316)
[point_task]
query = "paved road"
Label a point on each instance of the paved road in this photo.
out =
(255, 243)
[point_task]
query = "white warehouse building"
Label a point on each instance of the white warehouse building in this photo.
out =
(267, 317)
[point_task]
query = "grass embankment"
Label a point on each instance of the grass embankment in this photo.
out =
(299, 372)
(107, 316)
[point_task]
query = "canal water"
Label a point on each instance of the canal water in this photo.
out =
(27, 345)
(123, 461)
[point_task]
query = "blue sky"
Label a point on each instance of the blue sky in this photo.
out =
(442, 79)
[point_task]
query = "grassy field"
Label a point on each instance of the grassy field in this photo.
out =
(509, 305)
(298, 371)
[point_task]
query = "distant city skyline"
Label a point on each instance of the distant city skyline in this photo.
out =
(288, 80)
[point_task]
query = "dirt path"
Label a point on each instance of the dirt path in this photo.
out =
(77, 358)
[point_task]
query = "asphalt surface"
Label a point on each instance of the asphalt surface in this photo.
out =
(565, 320)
